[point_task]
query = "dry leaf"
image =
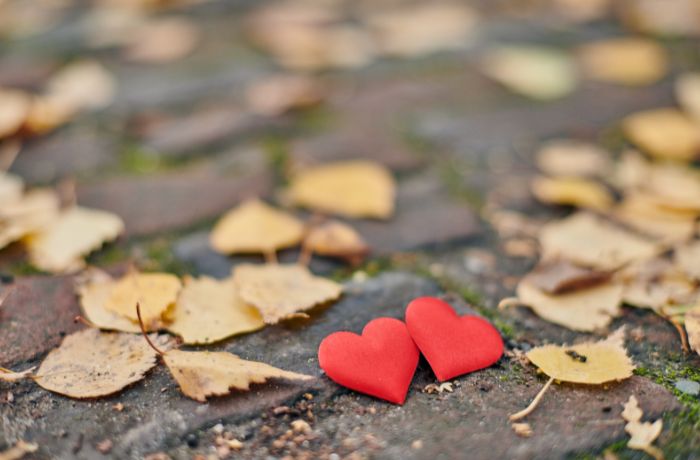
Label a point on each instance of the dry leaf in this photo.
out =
(422, 29)
(666, 134)
(687, 258)
(91, 363)
(14, 108)
(281, 291)
(535, 72)
(564, 157)
(351, 188)
(7, 375)
(94, 289)
(642, 212)
(656, 284)
(282, 93)
(626, 61)
(572, 191)
(162, 40)
(84, 85)
(203, 374)
(692, 327)
(675, 187)
(11, 188)
(581, 310)
(336, 239)
(255, 227)
(30, 213)
(688, 94)
(590, 241)
(631, 171)
(154, 292)
(20, 449)
(48, 112)
(524, 430)
(209, 310)
(559, 276)
(590, 363)
(642, 434)
(61, 245)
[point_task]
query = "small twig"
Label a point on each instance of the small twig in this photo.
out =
(528, 410)
(509, 302)
(270, 257)
(679, 328)
(143, 330)
(85, 321)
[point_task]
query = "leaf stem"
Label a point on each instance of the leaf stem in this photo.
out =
(143, 330)
(528, 410)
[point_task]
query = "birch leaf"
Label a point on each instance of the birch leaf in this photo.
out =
(572, 191)
(565, 157)
(91, 363)
(351, 188)
(61, 245)
(590, 363)
(209, 310)
(666, 133)
(255, 227)
(94, 289)
(30, 213)
(154, 292)
(282, 291)
(203, 374)
(642, 434)
(336, 239)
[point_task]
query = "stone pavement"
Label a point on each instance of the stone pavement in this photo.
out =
(455, 141)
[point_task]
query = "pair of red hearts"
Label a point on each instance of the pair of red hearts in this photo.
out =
(381, 362)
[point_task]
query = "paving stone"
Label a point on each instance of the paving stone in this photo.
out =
(35, 317)
(67, 153)
(689, 387)
(172, 200)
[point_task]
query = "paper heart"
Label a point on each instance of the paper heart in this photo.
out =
(452, 344)
(381, 362)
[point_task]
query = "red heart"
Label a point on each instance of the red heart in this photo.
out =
(452, 344)
(381, 362)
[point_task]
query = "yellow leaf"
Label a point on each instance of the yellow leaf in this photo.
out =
(337, 239)
(642, 434)
(209, 310)
(351, 188)
(674, 186)
(565, 157)
(585, 309)
(281, 291)
(666, 133)
(94, 289)
(692, 327)
(590, 363)
(14, 108)
(591, 241)
(60, 246)
(90, 363)
(30, 213)
(203, 374)
(626, 61)
(18, 451)
(155, 292)
(688, 94)
(643, 213)
(255, 227)
(535, 72)
(572, 191)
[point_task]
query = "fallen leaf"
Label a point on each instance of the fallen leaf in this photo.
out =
(590, 241)
(19, 450)
(6, 375)
(281, 291)
(61, 245)
(565, 157)
(524, 430)
(643, 213)
(422, 29)
(30, 213)
(656, 284)
(626, 61)
(14, 108)
(94, 287)
(203, 374)
(665, 134)
(584, 309)
(82, 85)
(91, 363)
(154, 292)
(208, 310)
(282, 93)
(692, 327)
(48, 112)
(11, 188)
(642, 434)
(631, 171)
(675, 187)
(662, 18)
(159, 41)
(688, 94)
(687, 258)
(535, 72)
(590, 363)
(351, 188)
(560, 276)
(255, 227)
(336, 239)
(572, 191)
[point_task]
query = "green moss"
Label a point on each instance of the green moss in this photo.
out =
(109, 255)
(136, 160)
(277, 154)
(159, 256)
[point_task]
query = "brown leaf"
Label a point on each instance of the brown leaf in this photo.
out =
(91, 363)
(203, 374)
(281, 291)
